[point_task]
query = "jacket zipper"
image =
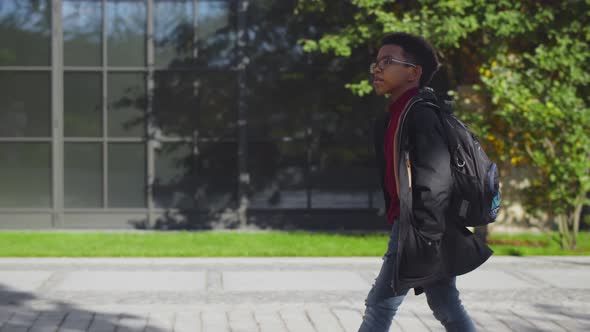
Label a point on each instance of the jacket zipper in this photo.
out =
(409, 170)
(397, 254)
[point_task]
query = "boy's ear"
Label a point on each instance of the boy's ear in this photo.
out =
(416, 73)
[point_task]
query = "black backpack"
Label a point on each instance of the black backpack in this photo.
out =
(476, 182)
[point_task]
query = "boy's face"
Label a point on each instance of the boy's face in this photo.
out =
(394, 75)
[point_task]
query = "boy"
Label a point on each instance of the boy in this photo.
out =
(425, 250)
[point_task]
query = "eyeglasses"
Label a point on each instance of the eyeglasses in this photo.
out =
(387, 61)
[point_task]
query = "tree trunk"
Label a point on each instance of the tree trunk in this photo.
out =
(576, 220)
(563, 231)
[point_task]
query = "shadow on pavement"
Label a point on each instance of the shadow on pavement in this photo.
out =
(17, 314)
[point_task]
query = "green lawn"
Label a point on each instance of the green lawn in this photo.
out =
(226, 244)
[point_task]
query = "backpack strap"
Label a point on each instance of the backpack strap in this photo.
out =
(442, 113)
(433, 105)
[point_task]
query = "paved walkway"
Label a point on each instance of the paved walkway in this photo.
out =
(274, 294)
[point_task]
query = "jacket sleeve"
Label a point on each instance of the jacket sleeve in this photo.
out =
(431, 172)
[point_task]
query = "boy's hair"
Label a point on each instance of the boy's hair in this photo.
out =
(417, 50)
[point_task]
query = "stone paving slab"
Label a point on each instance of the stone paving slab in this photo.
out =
(269, 320)
(47, 321)
(77, 321)
(102, 322)
(302, 317)
(24, 280)
(132, 281)
(292, 280)
(159, 321)
(275, 294)
(493, 280)
(513, 261)
(563, 279)
(215, 320)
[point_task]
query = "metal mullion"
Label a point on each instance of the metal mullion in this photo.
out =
(370, 153)
(127, 69)
(217, 140)
(309, 154)
(82, 68)
(105, 118)
(78, 68)
(194, 140)
(171, 139)
(57, 174)
(26, 139)
(242, 115)
(149, 127)
(26, 210)
(107, 211)
(308, 162)
(101, 139)
(26, 68)
(125, 139)
(195, 30)
(179, 210)
(200, 69)
(299, 140)
(83, 139)
(369, 183)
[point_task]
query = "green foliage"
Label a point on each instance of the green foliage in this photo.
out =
(532, 61)
(361, 88)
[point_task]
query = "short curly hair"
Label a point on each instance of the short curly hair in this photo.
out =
(417, 50)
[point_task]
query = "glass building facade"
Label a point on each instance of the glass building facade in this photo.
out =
(179, 114)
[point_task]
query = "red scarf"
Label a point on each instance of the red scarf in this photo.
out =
(395, 109)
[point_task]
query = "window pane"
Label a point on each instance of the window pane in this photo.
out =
(277, 174)
(279, 69)
(126, 104)
(82, 104)
(215, 33)
(217, 170)
(341, 176)
(378, 201)
(127, 175)
(173, 31)
(25, 32)
(82, 32)
(375, 185)
(274, 109)
(175, 184)
(126, 32)
(82, 175)
(205, 178)
(340, 116)
(185, 101)
(212, 17)
(25, 175)
(25, 104)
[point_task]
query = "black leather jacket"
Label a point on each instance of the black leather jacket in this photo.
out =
(430, 246)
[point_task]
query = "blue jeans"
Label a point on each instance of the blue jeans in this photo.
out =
(381, 305)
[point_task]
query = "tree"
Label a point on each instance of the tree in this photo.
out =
(529, 61)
